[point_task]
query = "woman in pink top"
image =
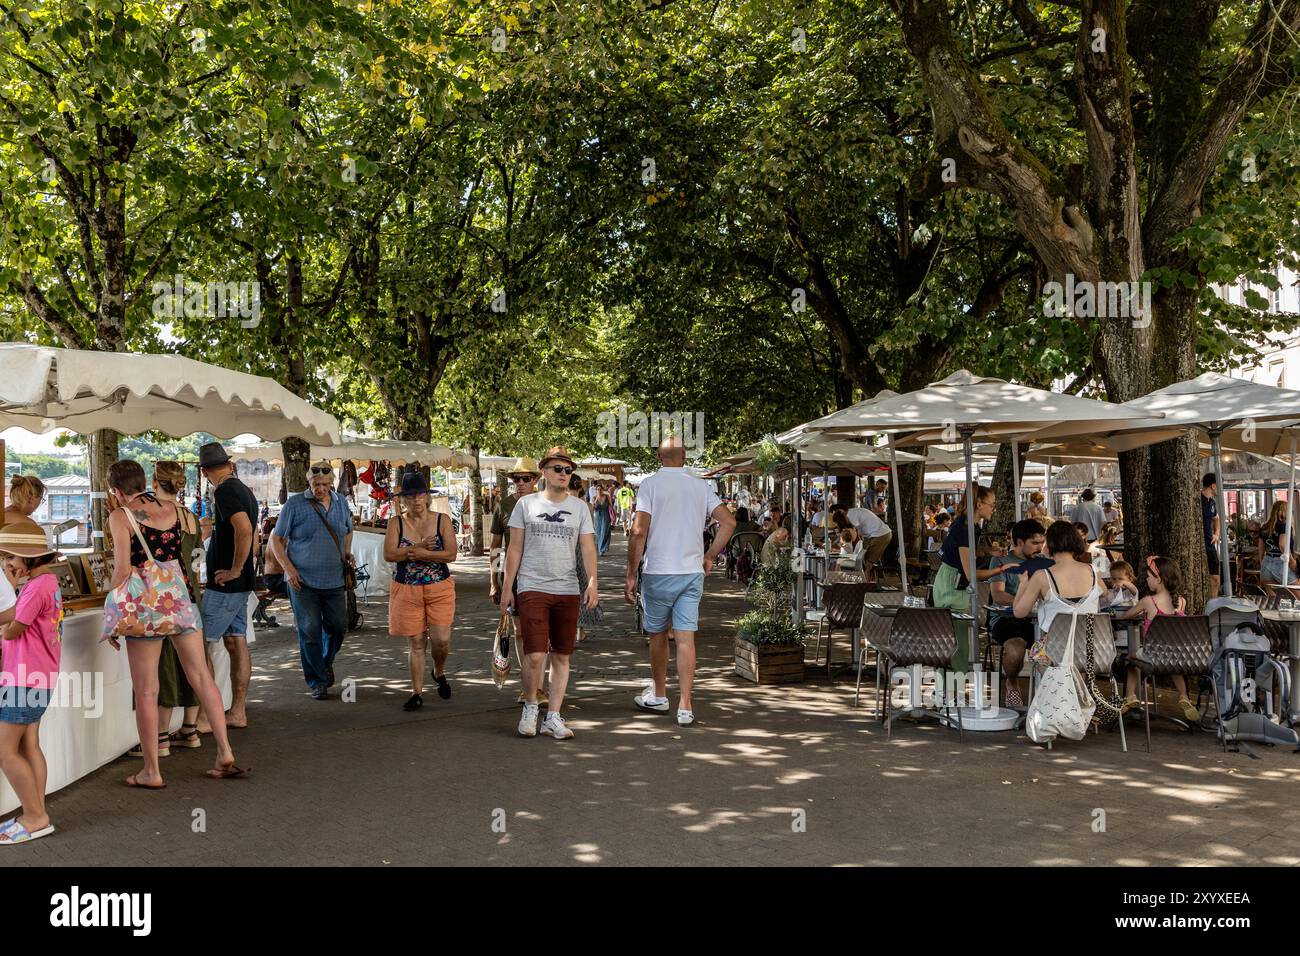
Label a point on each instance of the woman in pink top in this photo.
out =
(30, 670)
(1164, 582)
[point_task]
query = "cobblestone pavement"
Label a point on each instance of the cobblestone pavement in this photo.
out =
(769, 775)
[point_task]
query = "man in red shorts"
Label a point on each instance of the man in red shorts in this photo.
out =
(542, 559)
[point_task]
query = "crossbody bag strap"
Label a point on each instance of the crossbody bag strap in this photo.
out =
(333, 537)
(148, 553)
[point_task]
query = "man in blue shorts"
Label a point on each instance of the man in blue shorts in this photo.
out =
(673, 508)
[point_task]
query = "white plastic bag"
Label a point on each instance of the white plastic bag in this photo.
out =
(1062, 705)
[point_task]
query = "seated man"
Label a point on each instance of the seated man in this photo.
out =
(777, 542)
(1014, 634)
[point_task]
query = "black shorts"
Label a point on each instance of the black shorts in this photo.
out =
(1007, 627)
(1212, 559)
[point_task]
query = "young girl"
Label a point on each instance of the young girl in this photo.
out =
(1123, 591)
(1164, 583)
(32, 646)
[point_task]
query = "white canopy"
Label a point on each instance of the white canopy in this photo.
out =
(355, 448)
(990, 407)
(44, 388)
(802, 434)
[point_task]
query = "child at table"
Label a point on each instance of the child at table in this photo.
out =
(1164, 582)
(1123, 591)
(32, 650)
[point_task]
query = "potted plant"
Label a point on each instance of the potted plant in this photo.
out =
(769, 645)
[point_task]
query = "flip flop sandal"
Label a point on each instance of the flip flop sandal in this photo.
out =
(131, 782)
(17, 833)
(228, 773)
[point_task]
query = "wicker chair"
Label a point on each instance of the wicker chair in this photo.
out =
(842, 610)
(1172, 646)
(924, 636)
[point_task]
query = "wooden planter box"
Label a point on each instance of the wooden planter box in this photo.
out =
(769, 664)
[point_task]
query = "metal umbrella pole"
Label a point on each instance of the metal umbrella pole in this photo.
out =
(1225, 569)
(796, 526)
(898, 513)
(1290, 510)
(1015, 473)
(973, 641)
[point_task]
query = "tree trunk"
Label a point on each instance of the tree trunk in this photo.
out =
(296, 459)
(1004, 512)
(101, 452)
(911, 491)
(475, 497)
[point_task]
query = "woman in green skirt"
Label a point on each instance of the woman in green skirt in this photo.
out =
(957, 562)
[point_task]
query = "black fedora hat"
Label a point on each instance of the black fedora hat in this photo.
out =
(212, 455)
(413, 483)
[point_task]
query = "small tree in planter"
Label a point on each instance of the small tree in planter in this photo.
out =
(769, 645)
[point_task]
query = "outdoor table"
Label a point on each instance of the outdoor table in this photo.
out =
(814, 571)
(1292, 621)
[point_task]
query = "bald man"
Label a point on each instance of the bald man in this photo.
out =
(672, 509)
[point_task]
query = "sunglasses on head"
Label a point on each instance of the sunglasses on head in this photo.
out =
(562, 469)
(316, 470)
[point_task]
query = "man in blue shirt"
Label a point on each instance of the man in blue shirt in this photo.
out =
(313, 539)
(1013, 633)
(1210, 526)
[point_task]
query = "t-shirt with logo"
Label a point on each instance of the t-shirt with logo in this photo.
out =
(679, 505)
(551, 535)
(33, 659)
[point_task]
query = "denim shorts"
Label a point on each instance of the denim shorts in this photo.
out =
(224, 613)
(675, 596)
(23, 705)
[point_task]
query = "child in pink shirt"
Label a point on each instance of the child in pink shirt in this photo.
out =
(29, 672)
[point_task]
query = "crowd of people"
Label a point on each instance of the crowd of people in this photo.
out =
(180, 584)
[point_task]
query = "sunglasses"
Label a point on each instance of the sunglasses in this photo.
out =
(322, 471)
(562, 469)
(523, 479)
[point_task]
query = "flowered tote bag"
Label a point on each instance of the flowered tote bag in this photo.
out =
(152, 602)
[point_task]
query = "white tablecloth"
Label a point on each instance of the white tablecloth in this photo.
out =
(368, 548)
(96, 725)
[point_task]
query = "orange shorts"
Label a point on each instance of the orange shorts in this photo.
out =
(412, 608)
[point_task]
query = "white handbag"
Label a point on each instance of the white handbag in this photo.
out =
(1062, 706)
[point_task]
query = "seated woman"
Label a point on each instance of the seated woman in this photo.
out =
(1269, 551)
(744, 523)
(1099, 552)
(1070, 586)
(1165, 584)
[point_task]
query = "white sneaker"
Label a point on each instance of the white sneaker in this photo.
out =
(528, 722)
(647, 700)
(685, 717)
(554, 726)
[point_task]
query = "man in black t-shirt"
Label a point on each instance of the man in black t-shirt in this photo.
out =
(230, 572)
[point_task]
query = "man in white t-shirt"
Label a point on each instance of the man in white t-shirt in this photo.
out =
(673, 508)
(875, 537)
(547, 529)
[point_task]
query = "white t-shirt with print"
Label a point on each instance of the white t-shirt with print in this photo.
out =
(551, 535)
(679, 505)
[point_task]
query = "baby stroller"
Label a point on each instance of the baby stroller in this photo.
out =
(1251, 687)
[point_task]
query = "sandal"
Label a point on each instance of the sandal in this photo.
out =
(15, 832)
(228, 773)
(1013, 698)
(131, 781)
(164, 746)
(189, 739)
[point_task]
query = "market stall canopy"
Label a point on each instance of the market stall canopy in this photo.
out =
(354, 448)
(44, 388)
(802, 434)
(1253, 417)
(983, 407)
(840, 458)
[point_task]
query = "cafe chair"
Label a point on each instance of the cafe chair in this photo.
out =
(841, 610)
(924, 636)
(873, 635)
(1173, 645)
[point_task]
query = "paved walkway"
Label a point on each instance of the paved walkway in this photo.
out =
(772, 775)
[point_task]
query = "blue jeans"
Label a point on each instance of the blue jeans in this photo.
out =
(602, 530)
(321, 617)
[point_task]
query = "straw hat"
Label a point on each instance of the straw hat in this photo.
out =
(558, 453)
(524, 466)
(25, 539)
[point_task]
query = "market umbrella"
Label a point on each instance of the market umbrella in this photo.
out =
(44, 388)
(964, 406)
(354, 448)
(1249, 415)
